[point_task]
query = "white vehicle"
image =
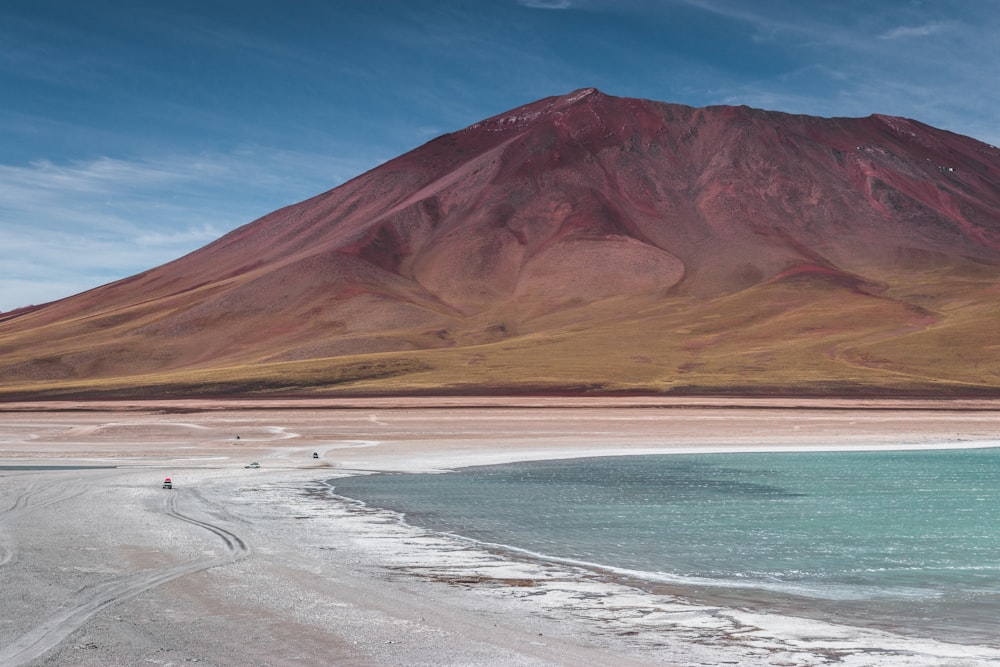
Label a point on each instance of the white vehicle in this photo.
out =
(252, 465)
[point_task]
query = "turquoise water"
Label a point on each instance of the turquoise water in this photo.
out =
(907, 541)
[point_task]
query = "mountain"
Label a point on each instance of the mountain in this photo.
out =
(581, 243)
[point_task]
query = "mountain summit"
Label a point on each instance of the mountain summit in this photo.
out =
(578, 243)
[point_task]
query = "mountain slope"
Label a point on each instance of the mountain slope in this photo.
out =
(578, 243)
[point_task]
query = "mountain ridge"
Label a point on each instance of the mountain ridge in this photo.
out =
(550, 226)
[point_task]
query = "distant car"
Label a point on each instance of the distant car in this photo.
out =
(252, 465)
(315, 455)
(167, 484)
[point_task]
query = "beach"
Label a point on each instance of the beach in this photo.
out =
(240, 566)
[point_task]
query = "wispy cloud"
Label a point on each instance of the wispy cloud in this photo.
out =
(65, 228)
(925, 30)
(766, 25)
(911, 59)
(546, 4)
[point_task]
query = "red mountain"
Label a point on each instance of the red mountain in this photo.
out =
(578, 243)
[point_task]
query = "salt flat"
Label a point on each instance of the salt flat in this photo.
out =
(101, 566)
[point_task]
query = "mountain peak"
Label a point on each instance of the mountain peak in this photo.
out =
(580, 94)
(522, 116)
(603, 241)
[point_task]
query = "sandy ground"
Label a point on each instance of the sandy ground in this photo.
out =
(101, 566)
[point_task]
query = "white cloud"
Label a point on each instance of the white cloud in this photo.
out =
(65, 228)
(919, 60)
(546, 4)
(925, 30)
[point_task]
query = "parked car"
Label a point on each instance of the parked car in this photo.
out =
(167, 484)
(315, 455)
(252, 465)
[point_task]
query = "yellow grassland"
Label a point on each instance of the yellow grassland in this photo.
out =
(794, 337)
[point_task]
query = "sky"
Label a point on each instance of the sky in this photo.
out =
(132, 133)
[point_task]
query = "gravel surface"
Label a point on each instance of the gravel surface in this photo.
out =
(101, 566)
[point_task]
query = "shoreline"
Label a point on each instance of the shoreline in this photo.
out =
(643, 607)
(781, 600)
(376, 591)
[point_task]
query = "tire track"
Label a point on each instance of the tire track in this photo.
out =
(24, 502)
(234, 543)
(91, 600)
(27, 502)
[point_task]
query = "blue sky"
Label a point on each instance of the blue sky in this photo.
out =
(135, 132)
